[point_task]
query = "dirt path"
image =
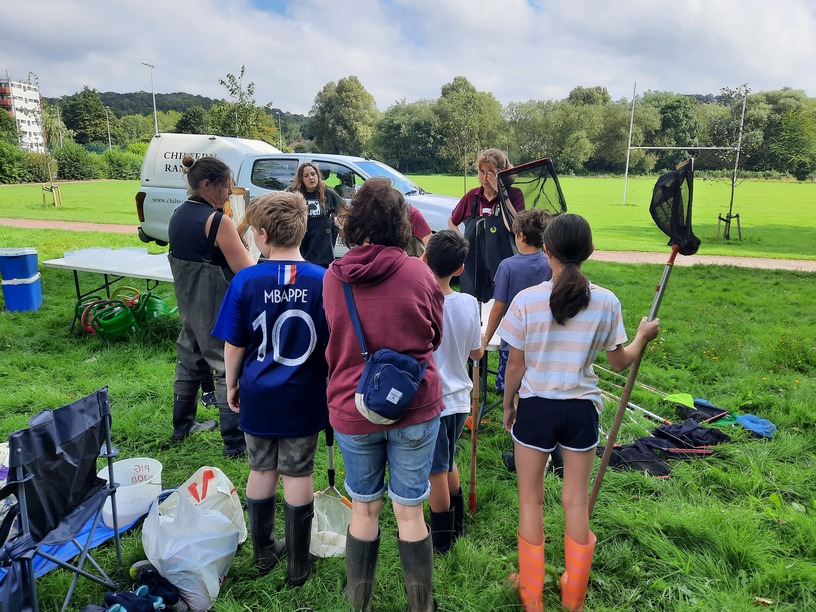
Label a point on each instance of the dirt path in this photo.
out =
(74, 226)
(801, 265)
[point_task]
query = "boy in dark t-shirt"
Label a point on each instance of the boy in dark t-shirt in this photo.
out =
(275, 333)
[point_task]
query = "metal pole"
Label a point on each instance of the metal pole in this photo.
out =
(280, 134)
(153, 89)
(629, 145)
(630, 383)
(59, 124)
(107, 119)
(736, 158)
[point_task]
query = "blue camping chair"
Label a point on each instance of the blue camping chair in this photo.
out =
(52, 473)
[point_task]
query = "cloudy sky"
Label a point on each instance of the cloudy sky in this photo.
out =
(408, 49)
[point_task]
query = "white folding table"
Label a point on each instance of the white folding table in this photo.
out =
(114, 265)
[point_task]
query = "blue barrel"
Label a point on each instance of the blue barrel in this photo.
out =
(22, 287)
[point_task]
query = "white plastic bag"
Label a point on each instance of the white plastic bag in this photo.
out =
(192, 547)
(210, 488)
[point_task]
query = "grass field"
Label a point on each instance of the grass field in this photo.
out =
(777, 217)
(719, 534)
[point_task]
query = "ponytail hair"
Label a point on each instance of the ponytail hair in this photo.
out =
(568, 238)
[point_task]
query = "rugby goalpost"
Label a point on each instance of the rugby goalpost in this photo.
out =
(730, 216)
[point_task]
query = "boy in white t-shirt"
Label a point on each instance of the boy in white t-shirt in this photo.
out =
(461, 338)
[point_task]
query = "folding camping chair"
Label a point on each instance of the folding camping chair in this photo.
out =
(53, 474)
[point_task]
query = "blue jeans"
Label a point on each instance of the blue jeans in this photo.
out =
(408, 451)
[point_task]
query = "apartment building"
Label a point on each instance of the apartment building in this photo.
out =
(22, 100)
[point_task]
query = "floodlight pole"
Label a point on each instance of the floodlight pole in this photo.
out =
(629, 144)
(59, 123)
(107, 120)
(737, 156)
(153, 89)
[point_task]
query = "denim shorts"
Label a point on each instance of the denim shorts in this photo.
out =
(407, 451)
(450, 428)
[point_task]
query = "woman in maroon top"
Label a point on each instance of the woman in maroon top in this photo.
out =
(400, 308)
(484, 201)
(486, 196)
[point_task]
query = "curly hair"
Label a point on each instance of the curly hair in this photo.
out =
(379, 215)
(494, 157)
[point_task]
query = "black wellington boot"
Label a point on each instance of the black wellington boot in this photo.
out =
(442, 530)
(231, 434)
(417, 568)
(184, 413)
(298, 538)
(458, 504)
(266, 549)
(361, 565)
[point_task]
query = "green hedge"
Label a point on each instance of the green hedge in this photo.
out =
(122, 165)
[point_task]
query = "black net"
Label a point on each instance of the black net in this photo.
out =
(671, 207)
(538, 183)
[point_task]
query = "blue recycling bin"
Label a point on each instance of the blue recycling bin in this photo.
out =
(22, 287)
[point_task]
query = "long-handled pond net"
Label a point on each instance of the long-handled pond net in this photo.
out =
(539, 184)
(671, 210)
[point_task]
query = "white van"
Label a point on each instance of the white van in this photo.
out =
(259, 168)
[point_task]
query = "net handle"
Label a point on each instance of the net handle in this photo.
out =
(630, 384)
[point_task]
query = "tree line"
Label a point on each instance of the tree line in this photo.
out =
(587, 132)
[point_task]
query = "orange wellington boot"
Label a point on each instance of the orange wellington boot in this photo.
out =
(530, 580)
(578, 559)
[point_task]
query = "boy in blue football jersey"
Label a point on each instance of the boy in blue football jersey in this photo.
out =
(275, 332)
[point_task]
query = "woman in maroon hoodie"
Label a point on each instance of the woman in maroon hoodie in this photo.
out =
(400, 308)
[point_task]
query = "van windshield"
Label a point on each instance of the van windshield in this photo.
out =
(400, 181)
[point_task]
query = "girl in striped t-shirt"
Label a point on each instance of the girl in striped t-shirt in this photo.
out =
(555, 331)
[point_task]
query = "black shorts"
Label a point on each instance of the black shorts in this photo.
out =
(542, 423)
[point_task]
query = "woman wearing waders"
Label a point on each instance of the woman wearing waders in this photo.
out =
(205, 253)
